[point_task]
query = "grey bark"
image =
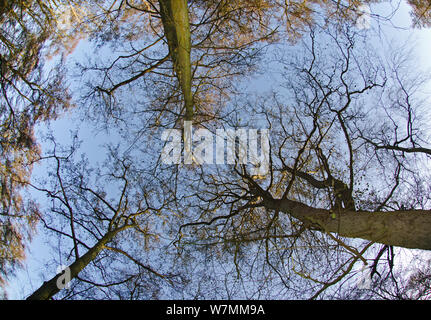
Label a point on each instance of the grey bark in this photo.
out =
(49, 288)
(408, 229)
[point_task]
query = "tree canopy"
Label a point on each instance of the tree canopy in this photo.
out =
(347, 182)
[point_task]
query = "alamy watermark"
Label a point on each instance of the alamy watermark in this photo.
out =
(364, 281)
(63, 281)
(201, 146)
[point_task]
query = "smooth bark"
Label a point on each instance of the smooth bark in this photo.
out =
(408, 229)
(50, 288)
(175, 19)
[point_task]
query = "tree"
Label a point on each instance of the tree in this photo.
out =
(190, 55)
(111, 229)
(153, 57)
(421, 12)
(28, 97)
(175, 18)
(338, 170)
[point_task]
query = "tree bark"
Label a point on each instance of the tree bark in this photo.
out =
(408, 229)
(175, 19)
(50, 288)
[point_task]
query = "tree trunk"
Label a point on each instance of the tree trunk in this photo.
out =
(408, 229)
(50, 288)
(175, 19)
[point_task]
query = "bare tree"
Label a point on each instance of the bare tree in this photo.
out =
(110, 227)
(328, 181)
